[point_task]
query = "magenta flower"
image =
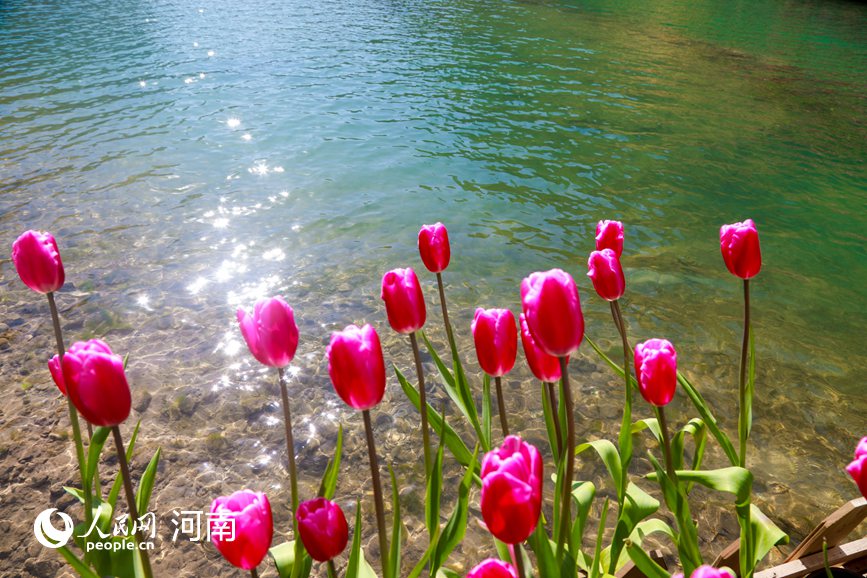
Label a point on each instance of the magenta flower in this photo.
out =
(552, 308)
(323, 528)
(37, 261)
(96, 383)
(496, 339)
(493, 568)
(656, 370)
(356, 366)
(606, 274)
(739, 244)
(512, 490)
(433, 245)
(270, 332)
(545, 367)
(241, 527)
(609, 235)
(858, 468)
(404, 302)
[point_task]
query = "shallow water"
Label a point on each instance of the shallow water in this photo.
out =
(192, 157)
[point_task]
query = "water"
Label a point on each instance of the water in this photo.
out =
(192, 157)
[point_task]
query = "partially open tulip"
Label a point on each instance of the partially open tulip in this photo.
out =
(606, 274)
(706, 571)
(493, 568)
(553, 310)
(433, 244)
(496, 339)
(323, 528)
(656, 370)
(858, 468)
(404, 302)
(739, 244)
(545, 367)
(512, 490)
(270, 331)
(96, 383)
(57, 373)
(37, 261)
(250, 512)
(609, 235)
(356, 366)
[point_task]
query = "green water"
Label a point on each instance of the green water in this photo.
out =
(193, 157)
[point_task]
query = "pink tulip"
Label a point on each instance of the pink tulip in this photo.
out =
(656, 370)
(496, 339)
(493, 568)
(858, 468)
(512, 490)
(606, 274)
(356, 366)
(739, 244)
(404, 302)
(323, 528)
(250, 514)
(545, 367)
(433, 244)
(706, 571)
(553, 310)
(37, 261)
(96, 383)
(57, 373)
(609, 235)
(270, 332)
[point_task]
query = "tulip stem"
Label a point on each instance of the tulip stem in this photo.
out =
(666, 444)
(425, 434)
(569, 456)
(519, 561)
(290, 448)
(445, 309)
(552, 399)
(743, 426)
(501, 405)
(332, 571)
(130, 500)
(377, 495)
(625, 437)
(254, 573)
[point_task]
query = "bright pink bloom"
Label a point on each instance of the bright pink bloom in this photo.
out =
(739, 244)
(609, 235)
(656, 370)
(706, 571)
(96, 383)
(606, 274)
(493, 568)
(356, 366)
(254, 527)
(552, 308)
(404, 302)
(858, 468)
(270, 332)
(496, 339)
(323, 528)
(433, 244)
(545, 367)
(512, 490)
(57, 373)
(37, 261)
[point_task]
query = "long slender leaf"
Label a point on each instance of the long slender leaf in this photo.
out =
(283, 556)
(766, 534)
(329, 479)
(644, 562)
(583, 494)
(486, 412)
(455, 529)
(97, 442)
(609, 454)
(146, 484)
(76, 563)
(396, 526)
(433, 495)
(544, 551)
(596, 568)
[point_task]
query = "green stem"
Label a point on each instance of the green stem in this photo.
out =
(332, 571)
(566, 500)
(377, 496)
(625, 436)
(742, 382)
(130, 500)
(501, 406)
(254, 573)
(445, 310)
(828, 572)
(519, 561)
(290, 448)
(425, 433)
(552, 399)
(666, 444)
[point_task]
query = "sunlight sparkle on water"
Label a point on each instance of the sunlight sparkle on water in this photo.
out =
(197, 285)
(275, 254)
(233, 122)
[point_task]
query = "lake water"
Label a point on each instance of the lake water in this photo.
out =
(191, 157)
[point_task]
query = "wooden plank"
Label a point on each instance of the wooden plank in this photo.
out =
(730, 557)
(630, 570)
(834, 529)
(801, 567)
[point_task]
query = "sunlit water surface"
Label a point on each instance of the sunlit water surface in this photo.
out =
(191, 158)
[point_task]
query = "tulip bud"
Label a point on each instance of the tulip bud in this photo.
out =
(356, 366)
(739, 244)
(552, 307)
(706, 571)
(270, 332)
(57, 373)
(496, 339)
(433, 245)
(606, 274)
(37, 261)
(545, 367)
(656, 370)
(404, 302)
(609, 235)
(254, 528)
(493, 568)
(323, 528)
(96, 383)
(512, 490)
(858, 468)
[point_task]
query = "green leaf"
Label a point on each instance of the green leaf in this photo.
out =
(583, 494)
(610, 457)
(146, 485)
(284, 558)
(396, 524)
(433, 494)
(358, 566)
(698, 430)
(332, 470)
(100, 434)
(732, 480)
(455, 529)
(650, 424)
(486, 412)
(637, 505)
(766, 534)
(644, 562)
(544, 550)
(550, 423)
(76, 563)
(708, 418)
(652, 526)
(446, 573)
(596, 567)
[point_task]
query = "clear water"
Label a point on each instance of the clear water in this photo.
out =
(192, 157)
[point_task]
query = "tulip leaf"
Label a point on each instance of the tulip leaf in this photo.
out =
(583, 494)
(698, 430)
(284, 558)
(446, 573)
(610, 457)
(355, 555)
(146, 485)
(76, 563)
(766, 534)
(687, 534)
(644, 562)
(544, 550)
(486, 412)
(396, 524)
(118, 480)
(596, 567)
(455, 529)
(550, 427)
(637, 505)
(100, 435)
(433, 494)
(732, 480)
(652, 526)
(332, 470)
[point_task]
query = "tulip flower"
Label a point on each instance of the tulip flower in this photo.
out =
(433, 245)
(511, 499)
(739, 244)
(609, 235)
(37, 261)
(323, 529)
(270, 331)
(656, 370)
(552, 307)
(606, 274)
(57, 373)
(404, 302)
(493, 568)
(356, 366)
(545, 367)
(706, 571)
(248, 513)
(496, 339)
(858, 468)
(96, 383)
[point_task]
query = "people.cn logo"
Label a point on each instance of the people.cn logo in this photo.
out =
(47, 534)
